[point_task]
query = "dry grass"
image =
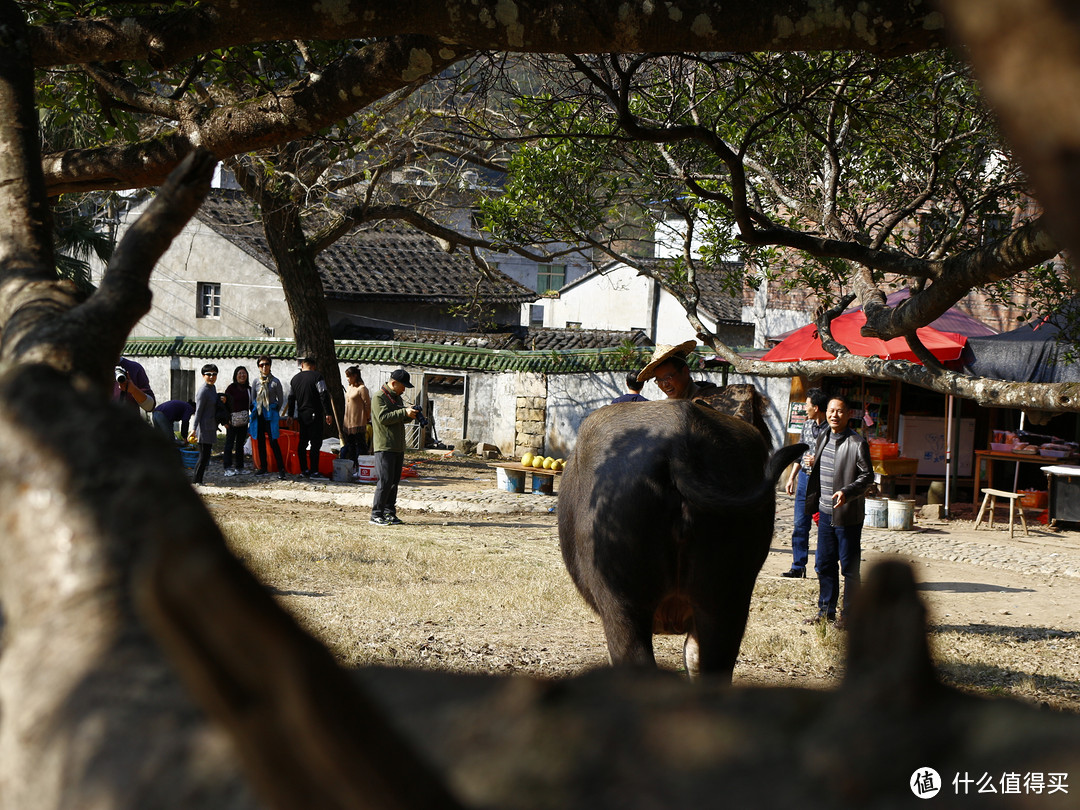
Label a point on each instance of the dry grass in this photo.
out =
(490, 594)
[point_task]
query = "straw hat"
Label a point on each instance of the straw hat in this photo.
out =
(663, 352)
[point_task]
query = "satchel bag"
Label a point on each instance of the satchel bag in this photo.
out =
(238, 418)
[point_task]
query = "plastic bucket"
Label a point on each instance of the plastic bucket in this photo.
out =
(189, 457)
(543, 484)
(509, 480)
(901, 514)
(342, 471)
(877, 513)
(365, 469)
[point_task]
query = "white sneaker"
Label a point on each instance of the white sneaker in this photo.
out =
(229, 471)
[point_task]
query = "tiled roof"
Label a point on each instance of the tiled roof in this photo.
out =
(468, 358)
(473, 340)
(723, 307)
(549, 339)
(380, 262)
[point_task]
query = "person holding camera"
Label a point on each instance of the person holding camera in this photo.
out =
(389, 413)
(132, 385)
(206, 424)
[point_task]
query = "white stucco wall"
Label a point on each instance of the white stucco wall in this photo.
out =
(618, 299)
(491, 397)
(771, 322)
(572, 397)
(252, 300)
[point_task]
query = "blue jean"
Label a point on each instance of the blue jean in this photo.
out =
(835, 544)
(800, 535)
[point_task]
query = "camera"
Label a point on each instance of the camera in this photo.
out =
(420, 420)
(121, 374)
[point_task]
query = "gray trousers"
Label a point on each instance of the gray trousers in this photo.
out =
(388, 466)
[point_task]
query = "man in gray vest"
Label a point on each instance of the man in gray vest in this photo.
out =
(840, 476)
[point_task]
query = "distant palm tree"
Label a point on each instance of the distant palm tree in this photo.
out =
(83, 224)
(77, 240)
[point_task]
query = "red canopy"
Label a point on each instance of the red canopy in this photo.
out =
(804, 343)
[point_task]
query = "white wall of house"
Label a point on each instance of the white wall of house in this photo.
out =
(572, 397)
(618, 299)
(252, 302)
(771, 320)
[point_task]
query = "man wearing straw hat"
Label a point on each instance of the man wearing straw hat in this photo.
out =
(668, 366)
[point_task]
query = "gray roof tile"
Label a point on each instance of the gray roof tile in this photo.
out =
(380, 262)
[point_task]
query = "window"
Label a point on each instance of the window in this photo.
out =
(209, 304)
(550, 277)
(536, 314)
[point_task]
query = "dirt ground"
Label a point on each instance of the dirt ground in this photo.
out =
(994, 629)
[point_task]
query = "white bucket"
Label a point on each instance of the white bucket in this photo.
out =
(365, 467)
(901, 514)
(877, 513)
(343, 470)
(509, 480)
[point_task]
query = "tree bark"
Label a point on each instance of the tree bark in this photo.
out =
(104, 538)
(887, 27)
(304, 293)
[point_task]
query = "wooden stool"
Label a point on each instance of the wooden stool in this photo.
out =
(990, 496)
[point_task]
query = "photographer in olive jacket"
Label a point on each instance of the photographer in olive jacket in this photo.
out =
(389, 413)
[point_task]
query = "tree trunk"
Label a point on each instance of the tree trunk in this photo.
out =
(106, 553)
(304, 294)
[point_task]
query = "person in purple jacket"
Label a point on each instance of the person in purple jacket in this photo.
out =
(167, 414)
(633, 390)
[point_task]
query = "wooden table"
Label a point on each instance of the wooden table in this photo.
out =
(895, 469)
(990, 456)
(516, 468)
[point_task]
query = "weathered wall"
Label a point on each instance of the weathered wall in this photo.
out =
(252, 300)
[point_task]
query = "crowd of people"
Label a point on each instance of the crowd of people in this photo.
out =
(255, 408)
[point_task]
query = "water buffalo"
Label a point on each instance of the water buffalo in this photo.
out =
(665, 517)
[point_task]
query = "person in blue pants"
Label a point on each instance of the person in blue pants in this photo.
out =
(838, 482)
(816, 400)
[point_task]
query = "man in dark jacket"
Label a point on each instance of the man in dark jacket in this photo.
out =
(633, 390)
(389, 413)
(309, 404)
(840, 476)
(816, 403)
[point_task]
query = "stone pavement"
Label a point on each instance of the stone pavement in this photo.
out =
(414, 494)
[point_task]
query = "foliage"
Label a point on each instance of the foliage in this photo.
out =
(804, 166)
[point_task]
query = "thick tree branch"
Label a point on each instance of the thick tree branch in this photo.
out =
(886, 27)
(343, 88)
(28, 286)
(1026, 54)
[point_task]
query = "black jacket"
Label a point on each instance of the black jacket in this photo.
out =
(309, 400)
